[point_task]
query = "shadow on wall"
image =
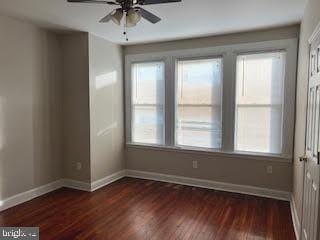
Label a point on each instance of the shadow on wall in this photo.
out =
(47, 112)
(2, 140)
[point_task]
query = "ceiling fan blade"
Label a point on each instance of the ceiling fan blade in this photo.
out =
(107, 18)
(93, 1)
(112, 3)
(148, 2)
(148, 15)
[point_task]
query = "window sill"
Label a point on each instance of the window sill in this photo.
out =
(213, 152)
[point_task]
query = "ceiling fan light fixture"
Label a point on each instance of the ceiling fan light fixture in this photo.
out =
(133, 17)
(117, 16)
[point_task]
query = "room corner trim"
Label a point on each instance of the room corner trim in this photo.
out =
(28, 195)
(222, 186)
(295, 218)
(107, 180)
(78, 185)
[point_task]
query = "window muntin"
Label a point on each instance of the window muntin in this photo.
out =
(199, 103)
(259, 102)
(147, 121)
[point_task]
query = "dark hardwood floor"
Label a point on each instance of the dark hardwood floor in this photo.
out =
(140, 209)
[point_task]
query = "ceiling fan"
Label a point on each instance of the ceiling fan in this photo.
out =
(130, 9)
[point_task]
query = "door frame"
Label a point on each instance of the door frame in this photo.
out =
(315, 34)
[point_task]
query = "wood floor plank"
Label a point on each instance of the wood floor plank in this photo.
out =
(135, 209)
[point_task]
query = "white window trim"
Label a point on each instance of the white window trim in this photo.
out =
(269, 105)
(229, 54)
(164, 100)
(182, 58)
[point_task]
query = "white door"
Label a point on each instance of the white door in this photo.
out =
(310, 221)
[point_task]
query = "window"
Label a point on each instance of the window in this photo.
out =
(198, 106)
(259, 102)
(148, 103)
(234, 100)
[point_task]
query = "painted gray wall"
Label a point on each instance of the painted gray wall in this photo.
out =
(30, 107)
(310, 20)
(243, 171)
(106, 108)
(45, 118)
(52, 114)
(240, 170)
(93, 107)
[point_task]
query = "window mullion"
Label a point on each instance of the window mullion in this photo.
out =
(169, 101)
(128, 100)
(228, 102)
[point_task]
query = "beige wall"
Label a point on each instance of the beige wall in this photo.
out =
(30, 107)
(245, 171)
(76, 115)
(106, 108)
(309, 23)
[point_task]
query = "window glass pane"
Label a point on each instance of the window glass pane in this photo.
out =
(259, 102)
(199, 98)
(148, 103)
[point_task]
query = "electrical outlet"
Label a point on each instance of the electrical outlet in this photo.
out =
(195, 164)
(269, 169)
(79, 166)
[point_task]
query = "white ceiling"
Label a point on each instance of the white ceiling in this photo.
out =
(190, 18)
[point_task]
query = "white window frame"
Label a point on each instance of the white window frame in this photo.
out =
(282, 105)
(128, 94)
(229, 55)
(164, 107)
(190, 58)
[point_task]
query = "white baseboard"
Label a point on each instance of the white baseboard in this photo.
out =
(90, 187)
(28, 195)
(295, 218)
(195, 182)
(107, 180)
(37, 192)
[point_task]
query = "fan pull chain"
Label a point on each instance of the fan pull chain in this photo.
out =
(125, 29)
